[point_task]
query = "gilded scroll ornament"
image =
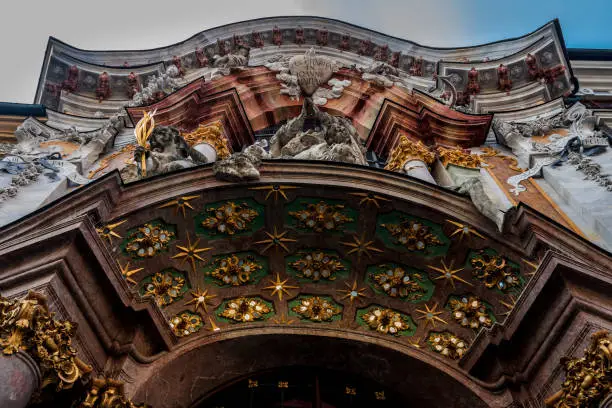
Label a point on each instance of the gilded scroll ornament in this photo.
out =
(447, 344)
(397, 282)
(230, 218)
(316, 309)
(588, 380)
(148, 240)
(470, 311)
(107, 393)
(491, 152)
(413, 235)
(244, 309)
(234, 270)
(165, 287)
(26, 325)
(407, 150)
(321, 217)
(495, 272)
(185, 324)
(459, 157)
(211, 134)
(385, 321)
(318, 265)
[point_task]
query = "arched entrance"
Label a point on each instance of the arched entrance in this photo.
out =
(350, 370)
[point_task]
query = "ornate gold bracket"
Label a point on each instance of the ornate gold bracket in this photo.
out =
(407, 150)
(459, 157)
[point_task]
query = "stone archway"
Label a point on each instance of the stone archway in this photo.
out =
(190, 376)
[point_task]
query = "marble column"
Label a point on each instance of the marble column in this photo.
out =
(19, 379)
(418, 169)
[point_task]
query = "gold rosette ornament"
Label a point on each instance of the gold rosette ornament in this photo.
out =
(143, 131)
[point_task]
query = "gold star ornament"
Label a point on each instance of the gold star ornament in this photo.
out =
(107, 232)
(180, 204)
(127, 272)
(361, 246)
(190, 253)
(369, 198)
(201, 299)
(279, 287)
(448, 273)
(353, 292)
(431, 315)
(275, 189)
(463, 230)
(275, 240)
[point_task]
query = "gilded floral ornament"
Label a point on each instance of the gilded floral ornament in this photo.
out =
(412, 235)
(26, 325)
(470, 311)
(406, 150)
(108, 231)
(185, 324)
(396, 282)
(230, 218)
(245, 309)
(316, 309)
(588, 379)
(459, 157)
(447, 344)
(318, 265)
(495, 272)
(211, 134)
(235, 270)
(386, 321)
(165, 287)
(107, 393)
(321, 217)
(148, 240)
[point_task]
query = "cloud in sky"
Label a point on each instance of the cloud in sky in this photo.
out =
(131, 24)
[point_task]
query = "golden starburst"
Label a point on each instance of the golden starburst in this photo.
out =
(534, 266)
(369, 198)
(276, 190)
(200, 298)
(508, 305)
(464, 230)
(107, 231)
(361, 246)
(283, 320)
(127, 272)
(448, 273)
(275, 240)
(190, 252)
(279, 287)
(180, 204)
(353, 292)
(431, 315)
(213, 325)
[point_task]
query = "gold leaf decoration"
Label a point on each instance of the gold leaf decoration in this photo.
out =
(495, 272)
(211, 134)
(397, 282)
(230, 218)
(321, 217)
(148, 240)
(245, 309)
(413, 235)
(108, 393)
(316, 309)
(447, 344)
(385, 321)
(470, 311)
(459, 157)
(406, 150)
(165, 287)
(185, 324)
(317, 265)
(234, 270)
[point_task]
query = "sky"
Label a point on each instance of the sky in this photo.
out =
(136, 24)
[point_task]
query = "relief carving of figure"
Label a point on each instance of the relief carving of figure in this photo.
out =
(176, 61)
(473, 88)
(256, 40)
(532, 67)
(232, 62)
(416, 68)
(103, 90)
(132, 85)
(299, 35)
(322, 37)
(504, 83)
(201, 57)
(365, 47)
(277, 36)
(395, 58)
(382, 53)
(71, 84)
(345, 43)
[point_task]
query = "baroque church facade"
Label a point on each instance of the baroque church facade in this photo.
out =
(300, 212)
